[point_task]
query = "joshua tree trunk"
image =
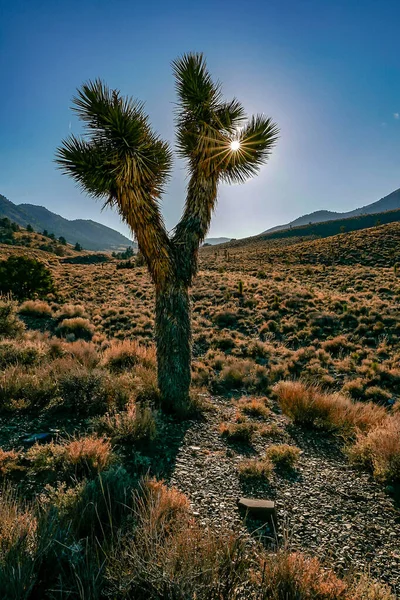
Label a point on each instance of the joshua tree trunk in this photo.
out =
(173, 337)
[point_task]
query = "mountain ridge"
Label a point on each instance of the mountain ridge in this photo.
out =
(90, 234)
(387, 203)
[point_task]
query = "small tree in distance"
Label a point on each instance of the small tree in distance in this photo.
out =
(121, 160)
(25, 278)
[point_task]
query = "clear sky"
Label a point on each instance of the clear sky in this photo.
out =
(327, 71)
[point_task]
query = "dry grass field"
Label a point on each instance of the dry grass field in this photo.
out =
(296, 379)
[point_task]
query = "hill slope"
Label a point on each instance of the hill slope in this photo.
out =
(91, 235)
(390, 202)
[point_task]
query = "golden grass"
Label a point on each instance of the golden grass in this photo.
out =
(309, 406)
(379, 449)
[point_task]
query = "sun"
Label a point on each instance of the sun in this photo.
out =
(235, 145)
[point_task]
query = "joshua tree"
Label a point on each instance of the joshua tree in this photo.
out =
(121, 160)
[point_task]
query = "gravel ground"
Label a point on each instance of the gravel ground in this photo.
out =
(327, 509)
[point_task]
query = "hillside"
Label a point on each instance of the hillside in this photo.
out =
(375, 246)
(91, 235)
(390, 202)
(322, 230)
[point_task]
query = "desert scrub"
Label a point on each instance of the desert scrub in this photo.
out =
(36, 309)
(85, 456)
(238, 432)
(283, 456)
(169, 555)
(379, 449)
(121, 356)
(25, 353)
(309, 407)
(23, 389)
(255, 468)
(75, 328)
(71, 311)
(88, 392)
(18, 542)
(239, 375)
(253, 407)
(134, 426)
(10, 325)
(9, 462)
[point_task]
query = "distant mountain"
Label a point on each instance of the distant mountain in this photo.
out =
(215, 241)
(91, 235)
(390, 202)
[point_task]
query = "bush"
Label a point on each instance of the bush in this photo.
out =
(124, 355)
(238, 432)
(297, 577)
(13, 352)
(25, 277)
(283, 456)
(310, 407)
(21, 389)
(87, 393)
(254, 407)
(10, 325)
(254, 468)
(35, 308)
(83, 457)
(77, 327)
(69, 311)
(379, 450)
(135, 426)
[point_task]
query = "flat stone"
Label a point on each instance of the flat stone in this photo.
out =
(264, 510)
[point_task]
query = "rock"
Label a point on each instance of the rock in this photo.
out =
(263, 510)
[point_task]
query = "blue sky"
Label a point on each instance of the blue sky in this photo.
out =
(328, 72)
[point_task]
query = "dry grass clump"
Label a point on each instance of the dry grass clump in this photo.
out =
(36, 309)
(83, 456)
(9, 462)
(238, 375)
(379, 449)
(10, 325)
(238, 432)
(253, 407)
(85, 353)
(310, 407)
(283, 456)
(255, 468)
(76, 328)
(170, 556)
(14, 352)
(297, 577)
(134, 426)
(62, 385)
(70, 311)
(18, 539)
(124, 355)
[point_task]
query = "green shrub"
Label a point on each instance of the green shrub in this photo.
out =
(10, 325)
(13, 353)
(25, 277)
